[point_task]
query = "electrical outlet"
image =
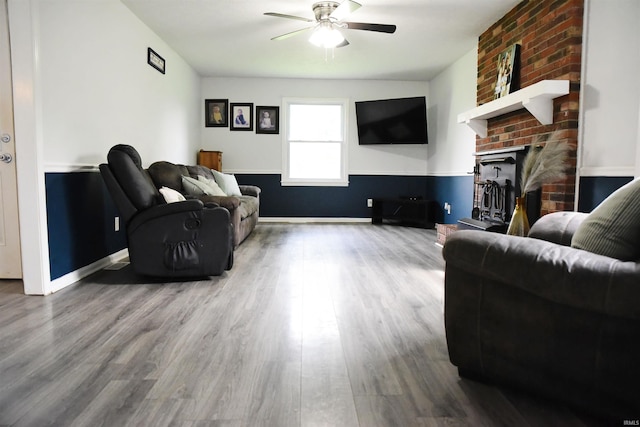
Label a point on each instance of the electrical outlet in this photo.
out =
(116, 223)
(369, 203)
(447, 207)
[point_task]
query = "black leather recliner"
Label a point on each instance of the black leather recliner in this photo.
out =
(180, 239)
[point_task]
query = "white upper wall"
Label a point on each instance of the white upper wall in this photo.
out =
(452, 92)
(97, 89)
(248, 152)
(611, 89)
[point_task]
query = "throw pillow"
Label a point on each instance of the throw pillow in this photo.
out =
(613, 228)
(170, 195)
(195, 188)
(227, 182)
(217, 191)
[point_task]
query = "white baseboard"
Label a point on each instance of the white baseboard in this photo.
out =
(302, 220)
(74, 276)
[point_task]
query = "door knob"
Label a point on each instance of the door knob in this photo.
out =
(5, 137)
(6, 157)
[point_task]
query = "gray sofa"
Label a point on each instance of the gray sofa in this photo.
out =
(184, 239)
(244, 209)
(540, 315)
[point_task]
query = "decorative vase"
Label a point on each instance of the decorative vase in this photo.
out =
(519, 225)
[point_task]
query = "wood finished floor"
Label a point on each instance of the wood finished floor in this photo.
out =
(316, 325)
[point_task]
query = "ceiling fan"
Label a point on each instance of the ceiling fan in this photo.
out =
(328, 21)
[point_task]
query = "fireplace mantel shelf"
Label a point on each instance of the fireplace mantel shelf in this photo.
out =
(537, 99)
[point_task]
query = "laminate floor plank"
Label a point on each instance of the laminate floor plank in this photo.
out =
(315, 325)
(327, 397)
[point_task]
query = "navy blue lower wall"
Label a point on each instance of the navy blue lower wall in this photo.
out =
(80, 221)
(80, 212)
(455, 190)
(351, 201)
(594, 189)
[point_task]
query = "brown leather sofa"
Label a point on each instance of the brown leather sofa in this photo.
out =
(539, 315)
(243, 210)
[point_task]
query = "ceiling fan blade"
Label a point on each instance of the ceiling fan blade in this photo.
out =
(293, 33)
(381, 28)
(343, 44)
(344, 9)
(281, 15)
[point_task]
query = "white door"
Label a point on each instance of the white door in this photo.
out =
(10, 260)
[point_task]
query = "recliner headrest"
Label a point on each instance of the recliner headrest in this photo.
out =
(129, 151)
(126, 166)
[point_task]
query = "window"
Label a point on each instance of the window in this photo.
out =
(314, 150)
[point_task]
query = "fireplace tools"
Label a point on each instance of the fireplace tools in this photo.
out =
(493, 200)
(475, 212)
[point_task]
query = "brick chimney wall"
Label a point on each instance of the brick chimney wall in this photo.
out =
(549, 33)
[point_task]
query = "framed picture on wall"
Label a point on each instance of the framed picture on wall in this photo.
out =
(508, 76)
(268, 120)
(155, 60)
(216, 112)
(241, 116)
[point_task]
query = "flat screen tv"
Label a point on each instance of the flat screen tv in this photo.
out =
(392, 121)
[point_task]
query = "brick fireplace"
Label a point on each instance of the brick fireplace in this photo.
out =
(549, 33)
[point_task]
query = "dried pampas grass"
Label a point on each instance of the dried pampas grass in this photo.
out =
(544, 165)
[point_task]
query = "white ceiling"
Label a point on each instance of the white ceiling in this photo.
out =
(223, 38)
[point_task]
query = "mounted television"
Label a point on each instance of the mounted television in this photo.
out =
(392, 121)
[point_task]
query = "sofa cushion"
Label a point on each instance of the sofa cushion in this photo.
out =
(197, 188)
(213, 185)
(227, 182)
(199, 170)
(613, 228)
(167, 174)
(170, 195)
(557, 227)
(228, 202)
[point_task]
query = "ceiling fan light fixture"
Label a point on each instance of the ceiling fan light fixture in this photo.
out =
(325, 35)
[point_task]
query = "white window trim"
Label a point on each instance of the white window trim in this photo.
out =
(341, 182)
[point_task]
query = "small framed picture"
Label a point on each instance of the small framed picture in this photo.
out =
(155, 60)
(216, 113)
(508, 72)
(268, 120)
(241, 116)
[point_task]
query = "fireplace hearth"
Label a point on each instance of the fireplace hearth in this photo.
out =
(496, 185)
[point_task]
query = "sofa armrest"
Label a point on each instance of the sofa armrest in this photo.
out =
(250, 190)
(165, 210)
(557, 227)
(561, 274)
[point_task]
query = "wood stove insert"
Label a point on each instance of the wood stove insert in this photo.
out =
(497, 176)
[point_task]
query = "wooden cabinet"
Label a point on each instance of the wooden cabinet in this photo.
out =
(210, 159)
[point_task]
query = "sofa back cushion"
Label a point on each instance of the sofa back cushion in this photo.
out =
(613, 228)
(167, 174)
(557, 227)
(198, 170)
